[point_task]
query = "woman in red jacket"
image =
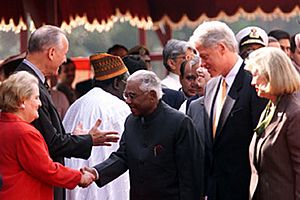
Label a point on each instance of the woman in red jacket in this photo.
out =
(27, 169)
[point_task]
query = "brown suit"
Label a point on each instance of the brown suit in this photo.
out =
(276, 167)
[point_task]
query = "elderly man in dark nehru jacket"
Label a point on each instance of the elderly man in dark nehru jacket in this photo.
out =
(159, 147)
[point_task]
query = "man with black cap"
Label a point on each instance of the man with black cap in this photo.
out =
(103, 101)
(250, 39)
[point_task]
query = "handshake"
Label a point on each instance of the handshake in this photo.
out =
(89, 175)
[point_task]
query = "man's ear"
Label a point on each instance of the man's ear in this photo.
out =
(51, 52)
(153, 96)
(171, 64)
(116, 83)
(222, 48)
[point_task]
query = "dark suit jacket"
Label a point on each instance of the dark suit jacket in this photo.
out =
(60, 143)
(173, 98)
(276, 169)
(163, 154)
(196, 112)
(227, 157)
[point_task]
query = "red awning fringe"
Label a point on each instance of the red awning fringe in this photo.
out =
(241, 13)
(147, 23)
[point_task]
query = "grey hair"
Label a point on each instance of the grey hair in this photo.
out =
(45, 37)
(195, 60)
(172, 49)
(148, 81)
(209, 34)
(15, 89)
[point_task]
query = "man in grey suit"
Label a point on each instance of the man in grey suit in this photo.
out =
(231, 112)
(47, 49)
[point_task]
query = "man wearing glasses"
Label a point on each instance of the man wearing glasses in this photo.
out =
(159, 147)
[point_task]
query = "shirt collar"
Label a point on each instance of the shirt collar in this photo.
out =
(233, 72)
(35, 69)
(173, 76)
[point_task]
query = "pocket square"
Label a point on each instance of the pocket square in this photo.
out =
(158, 149)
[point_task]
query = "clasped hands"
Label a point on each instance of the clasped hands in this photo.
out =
(89, 175)
(99, 137)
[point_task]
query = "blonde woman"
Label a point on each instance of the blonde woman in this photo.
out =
(275, 146)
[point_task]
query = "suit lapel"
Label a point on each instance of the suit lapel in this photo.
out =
(230, 100)
(209, 99)
(277, 117)
(276, 121)
(42, 87)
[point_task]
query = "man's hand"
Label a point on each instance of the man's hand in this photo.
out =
(87, 178)
(90, 170)
(79, 130)
(102, 138)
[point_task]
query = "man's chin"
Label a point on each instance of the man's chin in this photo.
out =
(134, 112)
(213, 73)
(192, 93)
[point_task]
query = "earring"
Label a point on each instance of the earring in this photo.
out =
(22, 106)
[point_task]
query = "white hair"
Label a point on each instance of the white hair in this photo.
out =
(148, 81)
(209, 34)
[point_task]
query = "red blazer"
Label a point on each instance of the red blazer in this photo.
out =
(27, 169)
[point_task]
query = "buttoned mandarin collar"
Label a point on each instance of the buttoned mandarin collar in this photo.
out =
(152, 116)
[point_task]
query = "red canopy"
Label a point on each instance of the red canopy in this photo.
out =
(141, 13)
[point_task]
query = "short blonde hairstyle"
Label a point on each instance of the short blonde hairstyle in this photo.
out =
(276, 67)
(15, 89)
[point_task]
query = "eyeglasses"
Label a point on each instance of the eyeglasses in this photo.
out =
(187, 57)
(132, 95)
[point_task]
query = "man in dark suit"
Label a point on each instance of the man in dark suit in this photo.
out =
(47, 49)
(231, 112)
(159, 147)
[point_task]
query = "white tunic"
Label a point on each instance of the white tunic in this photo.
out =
(112, 111)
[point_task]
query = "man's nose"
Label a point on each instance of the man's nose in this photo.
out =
(203, 64)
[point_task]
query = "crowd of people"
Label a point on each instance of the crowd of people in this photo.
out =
(221, 125)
